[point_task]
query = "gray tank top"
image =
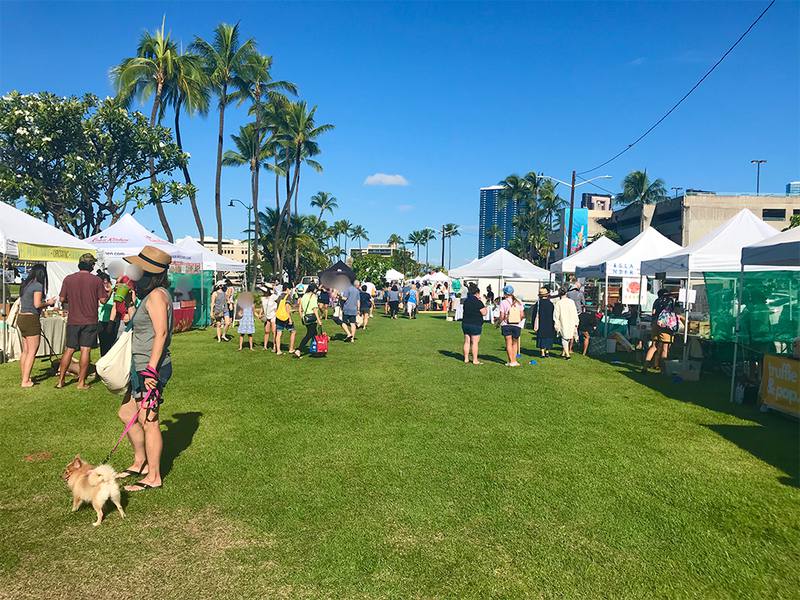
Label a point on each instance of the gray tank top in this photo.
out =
(220, 301)
(143, 334)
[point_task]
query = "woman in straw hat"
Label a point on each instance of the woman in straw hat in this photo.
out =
(151, 365)
(543, 322)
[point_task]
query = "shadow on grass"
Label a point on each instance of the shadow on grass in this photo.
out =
(178, 434)
(483, 357)
(771, 438)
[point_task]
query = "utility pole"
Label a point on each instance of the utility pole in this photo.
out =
(675, 190)
(443, 247)
(571, 211)
(758, 163)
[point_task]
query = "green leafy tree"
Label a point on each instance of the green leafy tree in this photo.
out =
(325, 202)
(417, 238)
(223, 60)
(495, 233)
(358, 233)
(79, 161)
(428, 235)
(638, 188)
(451, 230)
(394, 240)
(372, 267)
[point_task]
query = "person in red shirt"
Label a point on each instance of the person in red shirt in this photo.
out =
(83, 292)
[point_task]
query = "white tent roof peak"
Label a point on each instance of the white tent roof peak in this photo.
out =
(590, 255)
(502, 263)
(211, 260)
(717, 251)
(626, 261)
(17, 227)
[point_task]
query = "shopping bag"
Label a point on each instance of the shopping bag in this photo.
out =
(319, 345)
(114, 367)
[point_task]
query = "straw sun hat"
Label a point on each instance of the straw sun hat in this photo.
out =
(151, 260)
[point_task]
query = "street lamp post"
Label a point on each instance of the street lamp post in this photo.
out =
(249, 225)
(758, 162)
(572, 187)
(675, 190)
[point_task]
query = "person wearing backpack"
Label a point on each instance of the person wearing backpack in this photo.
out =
(309, 312)
(512, 319)
(663, 329)
(283, 322)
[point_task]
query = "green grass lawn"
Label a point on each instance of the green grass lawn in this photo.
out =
(390, 469)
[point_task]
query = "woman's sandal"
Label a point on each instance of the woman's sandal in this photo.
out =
(130, 473)
(143, 487)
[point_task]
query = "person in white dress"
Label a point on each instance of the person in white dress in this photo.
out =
(565, 316)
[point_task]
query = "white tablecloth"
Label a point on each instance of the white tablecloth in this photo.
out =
(54, 331)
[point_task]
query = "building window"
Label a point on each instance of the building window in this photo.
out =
(773, 214)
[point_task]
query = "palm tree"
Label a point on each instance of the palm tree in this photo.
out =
(550, 203)
(451, 230)
(495, 232)
(324, 201)
(189, 89)
(145, 75)
(417, 238)
(636, 187)
(343, 227)
(223, 59)
(394, 240)
(359, 233)
(249, 151)
(429, 235)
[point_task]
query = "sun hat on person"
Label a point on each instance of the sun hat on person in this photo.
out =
(543, 292)
(150, 260)
(508, 290)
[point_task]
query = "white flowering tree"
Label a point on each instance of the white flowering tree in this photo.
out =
(81, 161)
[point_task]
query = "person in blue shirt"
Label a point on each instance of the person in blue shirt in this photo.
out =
(366, 305)
(411, 302)
(352, 301)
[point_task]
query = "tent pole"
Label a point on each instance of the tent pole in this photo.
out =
(5, 316)
(605, 305)
(686, 317)
(736, 331)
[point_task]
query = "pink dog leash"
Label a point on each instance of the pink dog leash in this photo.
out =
(149, 401)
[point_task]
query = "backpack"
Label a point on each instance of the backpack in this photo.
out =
(514, 316)
(282, 313)
(668, 320)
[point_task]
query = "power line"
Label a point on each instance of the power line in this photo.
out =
(685, 96)
(596, 185)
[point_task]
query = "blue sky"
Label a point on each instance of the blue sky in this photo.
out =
(455, 96)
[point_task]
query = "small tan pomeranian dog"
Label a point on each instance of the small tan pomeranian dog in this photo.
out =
(95, 485)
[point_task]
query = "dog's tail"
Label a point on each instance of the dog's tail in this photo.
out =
(102, 474)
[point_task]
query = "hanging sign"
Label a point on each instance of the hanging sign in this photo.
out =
(780, 384)
(35, 252)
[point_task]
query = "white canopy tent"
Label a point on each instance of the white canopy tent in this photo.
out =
(211, 260)
(781, 251)
(718, 251)
(28, 238)
(127, 237)
(626, 261)
(501, 267)
(394, 275)
(592, 254)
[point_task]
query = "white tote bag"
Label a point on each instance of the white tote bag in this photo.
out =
(114, 367)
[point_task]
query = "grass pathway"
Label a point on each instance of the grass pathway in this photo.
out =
(390, 469)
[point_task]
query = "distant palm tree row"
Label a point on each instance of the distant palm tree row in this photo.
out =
(282, 137)
(423, 237)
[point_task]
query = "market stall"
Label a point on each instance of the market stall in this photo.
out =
(501, 267)
(26, 238)
(594, 253)
(719, 251)
(393, 275)
(625, 264)
(768, 318)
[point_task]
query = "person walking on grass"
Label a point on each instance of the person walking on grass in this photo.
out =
(543, 323)
(324, 301)
(472, 323)
(269, 304)
(151, 367)
(31, 303)
(664, 325)
(411, 301)
(219, 311)
(511, 321)
(309, 312)
(393, 300)
(565, 318)
(350, 309)
(367, 304)
(283, 321)
(83, 292)
(247, 321)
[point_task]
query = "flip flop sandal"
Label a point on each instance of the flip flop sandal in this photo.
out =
(143, 487)
(130, 473)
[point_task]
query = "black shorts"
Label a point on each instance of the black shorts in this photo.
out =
(349, 319)
(471, 329)
(81, 336)
(511, 330)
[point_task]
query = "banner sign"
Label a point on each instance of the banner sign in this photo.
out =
(580, 228)
(35, 252)
(630, 290)
(780, 384)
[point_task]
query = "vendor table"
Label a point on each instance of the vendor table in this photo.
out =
(615, 324)
(182, 319)
(54, 332)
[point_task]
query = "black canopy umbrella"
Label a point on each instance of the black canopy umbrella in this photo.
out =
(339, 276)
